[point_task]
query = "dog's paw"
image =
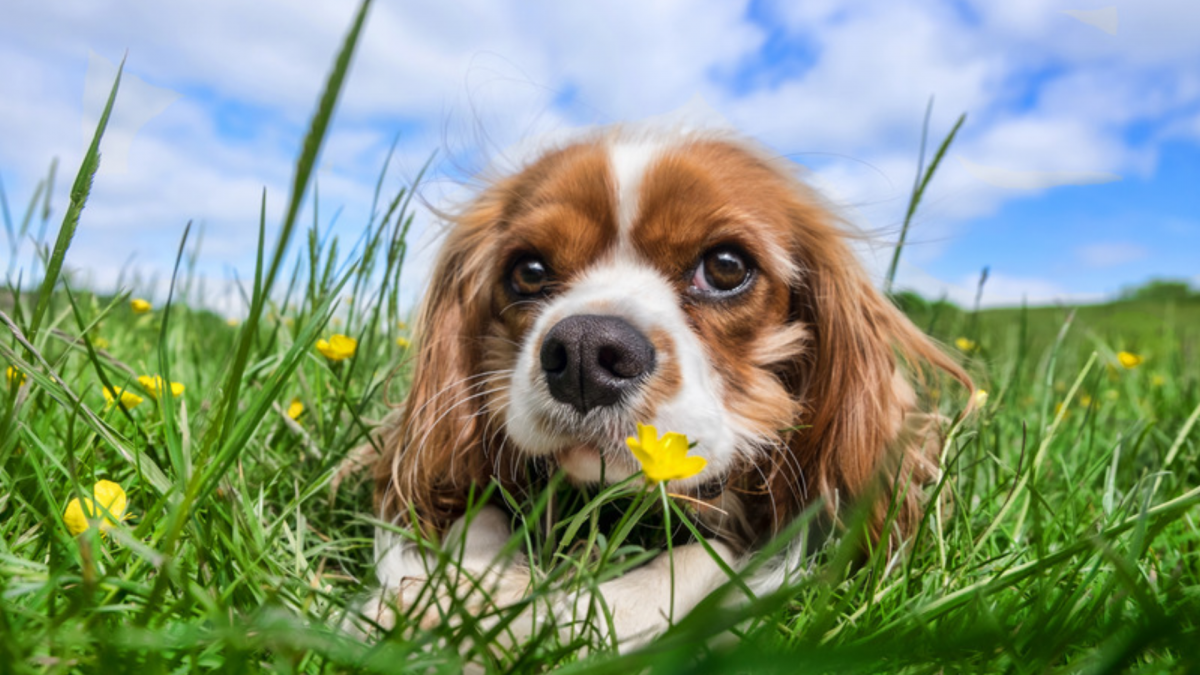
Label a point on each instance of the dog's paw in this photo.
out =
(463, 595)
(375, 613)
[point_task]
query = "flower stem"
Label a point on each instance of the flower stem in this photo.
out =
(662, 491)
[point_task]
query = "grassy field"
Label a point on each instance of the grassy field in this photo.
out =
(1073, 543)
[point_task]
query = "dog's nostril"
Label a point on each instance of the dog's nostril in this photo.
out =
(608, 357)
(554, 356)
(622, 360)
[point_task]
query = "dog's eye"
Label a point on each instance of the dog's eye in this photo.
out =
(721, 270)
(529, 276)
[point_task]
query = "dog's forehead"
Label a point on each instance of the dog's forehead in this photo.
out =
(652, 198)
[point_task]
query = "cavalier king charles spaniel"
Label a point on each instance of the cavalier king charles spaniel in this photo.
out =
(685, 280)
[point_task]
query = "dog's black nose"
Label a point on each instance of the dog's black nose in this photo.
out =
(591, 361)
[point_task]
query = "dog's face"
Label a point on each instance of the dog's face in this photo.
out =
(644, 282)
(686, 282)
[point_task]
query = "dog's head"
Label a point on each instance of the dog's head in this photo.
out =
(689, 282)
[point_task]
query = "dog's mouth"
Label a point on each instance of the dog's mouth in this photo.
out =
(587, 463)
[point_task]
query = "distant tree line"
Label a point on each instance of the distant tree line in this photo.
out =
(1160, 290)
(1156, 290)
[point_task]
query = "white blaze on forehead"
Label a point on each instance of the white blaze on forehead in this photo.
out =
(630, 160)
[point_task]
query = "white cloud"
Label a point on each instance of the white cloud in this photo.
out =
(138, 103)
(1034, 180)
(1111, 254)
(1106, 19)
(1000, 290)
(1046, 96)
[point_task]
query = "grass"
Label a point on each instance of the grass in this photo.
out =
(1072, 546)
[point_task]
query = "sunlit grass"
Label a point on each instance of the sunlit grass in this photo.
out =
(1068, 541)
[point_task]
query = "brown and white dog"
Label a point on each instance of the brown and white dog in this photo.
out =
(688, 281)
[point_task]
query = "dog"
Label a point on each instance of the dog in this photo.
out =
(685, 280)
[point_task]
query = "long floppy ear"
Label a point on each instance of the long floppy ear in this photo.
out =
(435, 452)
(863, 434)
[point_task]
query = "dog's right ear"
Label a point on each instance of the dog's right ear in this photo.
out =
(435, 453)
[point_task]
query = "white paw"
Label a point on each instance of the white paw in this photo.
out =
(460, 594)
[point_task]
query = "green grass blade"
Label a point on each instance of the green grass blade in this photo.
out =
(79, 196)
(919, 191)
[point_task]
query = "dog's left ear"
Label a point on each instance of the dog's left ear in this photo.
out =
(434, 454)
(863, 434)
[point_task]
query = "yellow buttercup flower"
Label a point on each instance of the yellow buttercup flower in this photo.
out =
(139, 306)
(295, 408)
(980, 397)
(231, 322)
(111, 499)
(1129, 360)
(14, 375)
(338, 347)
(403, 343)
(1158, 380)
(154, 386)
(128, 398)
(664, 458)
(99, 342)
(965, 344)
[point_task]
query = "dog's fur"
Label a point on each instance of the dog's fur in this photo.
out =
(801, 384)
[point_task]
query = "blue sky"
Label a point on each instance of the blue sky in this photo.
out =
(1076, 173)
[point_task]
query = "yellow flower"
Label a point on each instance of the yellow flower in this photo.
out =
(295, 408)
(154, 386)
(1112, 394)
(231, 322)
(401, 325)
(1129, 360)
(965, 344)
(1085, 400)
(128, 398)
(338, 347)
(980, 397)
(139, 306)
(664, 458)
(402, 342)
(99, 342)
(14, 374)
(1157, 380)
(111, 498)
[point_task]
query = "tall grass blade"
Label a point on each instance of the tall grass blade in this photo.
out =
(922, 182)
(79, 196)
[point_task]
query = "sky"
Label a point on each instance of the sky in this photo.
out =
(1076, 173)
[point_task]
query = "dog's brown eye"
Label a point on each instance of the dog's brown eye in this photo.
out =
(529, 276)
(722, 270)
